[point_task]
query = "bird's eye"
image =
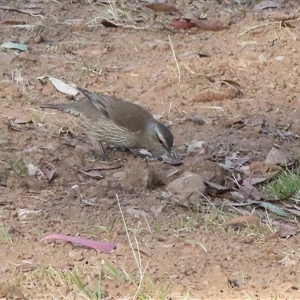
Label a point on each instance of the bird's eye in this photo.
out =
(164, 136)
(161, 139)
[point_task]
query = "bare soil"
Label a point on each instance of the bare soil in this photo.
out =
(182, 254)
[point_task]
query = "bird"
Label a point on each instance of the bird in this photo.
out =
(119, 123)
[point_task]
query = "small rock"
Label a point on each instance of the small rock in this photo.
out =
(278, 157)
(75, 255)
(262, 58)
(157, 210)
(24, 214)
(136, 212)
(187, 188)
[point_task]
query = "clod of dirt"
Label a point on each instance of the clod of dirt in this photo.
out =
(10, 90)
(197, 148)
(210, 96)
(261, 169)
(25, 184)
(47, 89)
(8, 291)
(155, 179)
(196, 120)
(207, 169)
(134, 177)
(278, 157)
(188, 188)
(75, 255)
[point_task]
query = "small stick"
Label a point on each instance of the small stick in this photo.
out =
(174, 55)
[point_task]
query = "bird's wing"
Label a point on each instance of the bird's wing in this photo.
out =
(124, 114)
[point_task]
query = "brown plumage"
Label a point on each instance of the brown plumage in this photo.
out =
(118, 123)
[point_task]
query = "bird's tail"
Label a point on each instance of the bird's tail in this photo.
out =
(100, 101)
(72, 108)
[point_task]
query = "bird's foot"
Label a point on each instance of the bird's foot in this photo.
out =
(99, 155)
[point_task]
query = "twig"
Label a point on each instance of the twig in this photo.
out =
(252, 28)
(137, 256)
(174, 55)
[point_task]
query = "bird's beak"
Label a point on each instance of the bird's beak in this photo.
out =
(173, 153)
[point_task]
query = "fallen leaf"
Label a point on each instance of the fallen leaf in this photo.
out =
(254, 180)
(295, 212)
(61, 86)
(273, 208)
(285, 230)
(239, 124)
(17, 121)
(31, 10)
(242, 220)
(14, 46)
(162, 7)
(93, 173)
(50, 173)
(104, 165)
(266, 4)
(232, 83)
(261, 169)
(97, 245)
(179, 24)
(209, 25)
(90, 202)
(235, 161)
(14, 22)
(251, 192)
(217, 186)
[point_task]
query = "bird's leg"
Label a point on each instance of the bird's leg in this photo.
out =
(100, 152)
(103, 154)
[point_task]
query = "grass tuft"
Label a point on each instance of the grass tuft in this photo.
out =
(286, 183)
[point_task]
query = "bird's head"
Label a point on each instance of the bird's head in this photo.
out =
(161, 137)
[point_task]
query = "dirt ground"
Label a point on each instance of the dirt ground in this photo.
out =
(176, 253)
